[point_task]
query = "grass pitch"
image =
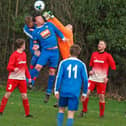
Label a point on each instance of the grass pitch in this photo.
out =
(45, 114)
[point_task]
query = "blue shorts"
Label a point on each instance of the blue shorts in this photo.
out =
(70, 102)
(49, 56)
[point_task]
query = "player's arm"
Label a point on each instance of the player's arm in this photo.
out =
(11, 63)
(91, 65)
(85, 80)
(111, 62)
(35, 41)
(27, 31)
(58, 24)
(51, 18)
(58, 79)
(112, 65)
(57, 31)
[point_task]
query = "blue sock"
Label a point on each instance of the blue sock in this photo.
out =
(60, 118)
(70, 122)
(50, 84)
(34, 74)
(34, 60)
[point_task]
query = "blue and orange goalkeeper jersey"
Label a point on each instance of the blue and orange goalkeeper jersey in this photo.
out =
(47, 35)
(71, 77)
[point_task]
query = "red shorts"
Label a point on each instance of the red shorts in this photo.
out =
(12, 84)
(101, 87)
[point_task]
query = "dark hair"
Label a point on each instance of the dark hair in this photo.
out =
(75, 50)
(19, 42)
(28, 19)
(36, 14)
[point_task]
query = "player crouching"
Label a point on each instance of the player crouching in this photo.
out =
(71, 76)
(18, 71)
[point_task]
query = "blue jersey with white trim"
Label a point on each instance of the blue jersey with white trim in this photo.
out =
(71, 77)
(47, 35)
(28, 31)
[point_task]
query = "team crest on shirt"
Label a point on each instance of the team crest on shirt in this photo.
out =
(45, 34)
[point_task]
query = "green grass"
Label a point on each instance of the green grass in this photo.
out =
(45, 114)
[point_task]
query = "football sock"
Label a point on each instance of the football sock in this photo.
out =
(70, 122)
(3, 104)
(50, 84)
(60, 118)
(85, 104)
(26, 106)
(34, 60)
(34, 73)
(101, 108)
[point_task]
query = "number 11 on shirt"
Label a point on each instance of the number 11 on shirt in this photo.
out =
(71, 69)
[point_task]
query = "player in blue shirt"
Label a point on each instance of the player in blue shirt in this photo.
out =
(28, 30)
(46, 35)
(71, 77)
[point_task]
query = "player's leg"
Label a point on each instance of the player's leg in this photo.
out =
(32, 65)
(101, 88)
(91, 87)
(70, 118)
(11, 85)
(60, 116)
(4, 102)
(42, 60)
(23, 90)
(34, 59)
(72, 107)
(35, 72)
(101, 104)
(51, 80)
(53, 63)
(85, 105)
(63, 102)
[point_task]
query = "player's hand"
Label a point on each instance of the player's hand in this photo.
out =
(91, 72)
(31, 29)
(65, 39)
(57, 95)
(35, 47)
(106, 80)
(29, 80)
(37, 52)
(16, 69)
(83, 98)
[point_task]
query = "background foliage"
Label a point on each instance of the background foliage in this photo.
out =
(92, 20)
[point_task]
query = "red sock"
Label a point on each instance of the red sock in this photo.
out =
(85, 104)
(102, 108)
(3, 104)
(26, 106)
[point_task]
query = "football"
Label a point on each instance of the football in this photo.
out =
(39, 5)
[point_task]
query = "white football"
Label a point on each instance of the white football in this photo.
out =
(39, 5)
